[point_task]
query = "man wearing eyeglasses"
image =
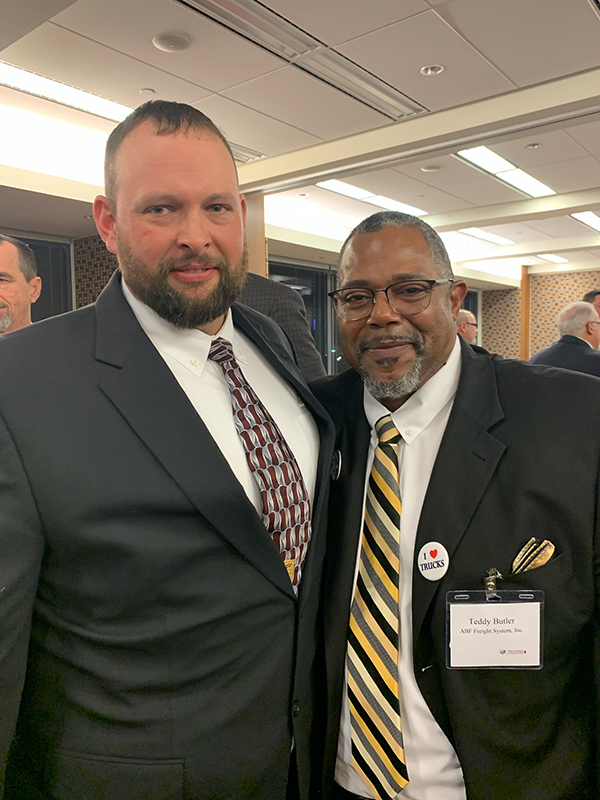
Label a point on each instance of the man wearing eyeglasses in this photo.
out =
(466, 326)
(455, 485)
(577, 348)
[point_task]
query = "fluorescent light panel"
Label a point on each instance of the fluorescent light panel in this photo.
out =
(588, 218)
(266, 28)
(394, 205)
(478, 233)
(347, 189)
(502, 169)
(25, 81)
(553, 258)
(525, 182)
(244, 154)
(486, 159)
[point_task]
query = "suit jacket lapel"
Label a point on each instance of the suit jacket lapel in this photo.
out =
(145, 392)
(466, 461)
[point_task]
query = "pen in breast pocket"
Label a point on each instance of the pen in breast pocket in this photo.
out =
(534, 554)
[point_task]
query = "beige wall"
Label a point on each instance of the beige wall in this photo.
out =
(500, 321)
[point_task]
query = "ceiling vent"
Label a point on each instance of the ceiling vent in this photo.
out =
(267, 29)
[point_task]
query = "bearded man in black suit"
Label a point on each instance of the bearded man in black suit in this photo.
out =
(165, 610)
(483, 489)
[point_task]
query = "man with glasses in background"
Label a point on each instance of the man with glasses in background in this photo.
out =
(464, 503)
(466, 326)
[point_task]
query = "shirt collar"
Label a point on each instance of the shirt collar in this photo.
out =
(424, 405)
(188, 346)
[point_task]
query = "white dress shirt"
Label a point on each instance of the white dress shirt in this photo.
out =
(185, 352)
(432, 764)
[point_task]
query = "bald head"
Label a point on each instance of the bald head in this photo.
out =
(466, 326)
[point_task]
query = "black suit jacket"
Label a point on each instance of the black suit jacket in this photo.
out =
(570, 352)
(519, 458)
(169, 658)
(285, 305)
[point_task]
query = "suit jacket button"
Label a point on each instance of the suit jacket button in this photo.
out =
(296, 708)
(336, 465)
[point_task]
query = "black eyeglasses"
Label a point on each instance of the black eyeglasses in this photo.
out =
(406, 298)
(474, 324)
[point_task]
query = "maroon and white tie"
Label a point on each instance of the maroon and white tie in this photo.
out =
(285, 501)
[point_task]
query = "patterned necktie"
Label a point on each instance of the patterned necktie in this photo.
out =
(377, 745)
(285, 501)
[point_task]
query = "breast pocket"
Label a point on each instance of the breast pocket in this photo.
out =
(80, 776)
(553, 573)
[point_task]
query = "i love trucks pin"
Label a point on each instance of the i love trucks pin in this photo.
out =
(433, 561)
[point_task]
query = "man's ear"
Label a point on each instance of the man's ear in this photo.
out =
(244, 208)
(35, 287)
(105, 222)
(457, 295)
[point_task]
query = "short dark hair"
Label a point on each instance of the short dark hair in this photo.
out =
(398, 219)
(27, 263)
(169, 117)
(589, 297)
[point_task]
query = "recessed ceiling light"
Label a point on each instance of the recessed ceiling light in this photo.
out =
(553, 258)
(37, 85)
(171, 42)
(431, 168)
(533, 145)
(147, 91)
(432, 69)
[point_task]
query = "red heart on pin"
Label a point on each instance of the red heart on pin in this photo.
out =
(433, 553)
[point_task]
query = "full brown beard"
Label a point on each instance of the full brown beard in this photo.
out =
(177, 308)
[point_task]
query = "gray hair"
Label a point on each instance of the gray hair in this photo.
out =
(27, 263)
(464, 315)
(574, 317)
(397, 219)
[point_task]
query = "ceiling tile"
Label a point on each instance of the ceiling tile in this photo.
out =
(555, 146)
(20, 18)
(560, 227)
(531, 41)
(588, 135)
(339, 20)
(451, 170)
(483, 191)
(569, 176)
(580, 255)
(397, 53)
(293, 96)
(392, 184)
(249, 128)
(68, 57)
(216, 60)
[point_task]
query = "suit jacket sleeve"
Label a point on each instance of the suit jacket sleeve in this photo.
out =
(21, 549)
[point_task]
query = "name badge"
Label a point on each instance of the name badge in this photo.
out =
(505, 632)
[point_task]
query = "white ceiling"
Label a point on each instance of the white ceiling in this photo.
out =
(489, 49)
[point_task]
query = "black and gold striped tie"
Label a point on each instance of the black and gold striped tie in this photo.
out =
(377, 745)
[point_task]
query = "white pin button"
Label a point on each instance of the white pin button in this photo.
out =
(433, 561)
(194, 362)
(409, 431)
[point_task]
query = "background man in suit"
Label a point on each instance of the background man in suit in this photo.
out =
(174, 588)
(20, 285)
(593, 297)
(466, 326)
(492, 453)
(577, 348)
(286, 307)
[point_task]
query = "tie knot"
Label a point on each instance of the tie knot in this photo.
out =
(221, 351)
(387, 431)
